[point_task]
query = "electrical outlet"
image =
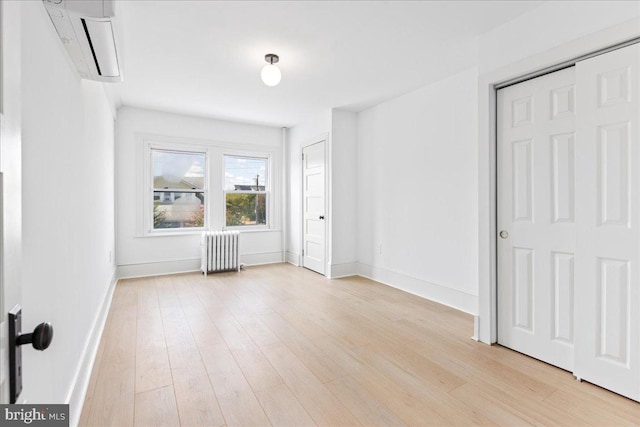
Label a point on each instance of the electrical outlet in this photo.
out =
(379, 249)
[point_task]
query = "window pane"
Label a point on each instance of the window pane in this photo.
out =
(177, 210)
(245, 173)
(177, 170)
(246, 209)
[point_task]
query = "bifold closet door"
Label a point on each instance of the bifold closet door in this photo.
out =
(607, 292)
(536, 217)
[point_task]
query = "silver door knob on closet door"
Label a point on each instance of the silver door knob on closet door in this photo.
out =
(504, 234)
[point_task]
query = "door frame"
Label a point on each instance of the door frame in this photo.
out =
(566, 55)
(327, 199)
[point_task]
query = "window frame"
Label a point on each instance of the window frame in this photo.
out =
(267, 190)
(152, 146)
(215, 208)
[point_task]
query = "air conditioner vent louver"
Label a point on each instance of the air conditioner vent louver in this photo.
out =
(93, 52)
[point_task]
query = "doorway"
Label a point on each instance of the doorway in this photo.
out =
(313, 207)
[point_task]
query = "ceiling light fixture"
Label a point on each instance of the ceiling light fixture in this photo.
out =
(271, 74)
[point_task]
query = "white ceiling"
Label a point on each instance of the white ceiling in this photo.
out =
(204, 58)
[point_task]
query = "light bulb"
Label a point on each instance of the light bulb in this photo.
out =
(271, 75)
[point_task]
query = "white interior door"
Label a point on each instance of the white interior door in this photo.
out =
(536, 217)
(313, 171)
(10, 178)
(608, 234)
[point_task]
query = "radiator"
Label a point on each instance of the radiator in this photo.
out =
(220, 251)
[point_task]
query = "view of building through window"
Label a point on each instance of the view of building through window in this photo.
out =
(245, 187)
(178, 189)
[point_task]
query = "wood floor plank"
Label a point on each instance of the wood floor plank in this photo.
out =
(415, 365)
(113, 400)
(474, 366)
(596, 412)
(361, 404)
(156, 408)
(239, 404)
(152, 367)
(318, 401)
(323, 368)
(499, 412)
(305, 326)
(282, 407)
(255, 367)
(196, 401)
(409, 407)
(280, 345)
(93, 380)
(152, 361)
(258, 331)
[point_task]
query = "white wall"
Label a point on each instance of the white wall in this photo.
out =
(313, 129)
(549, 26)
(570, 29)
(343, 218)
(140, 255)
(68, 212)
(417, 193)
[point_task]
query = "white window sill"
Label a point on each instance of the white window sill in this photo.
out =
(248, 229)
(198, 232)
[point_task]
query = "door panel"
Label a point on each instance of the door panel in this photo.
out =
(313, 169)
(608, 233)
(536, 208)
(562, 178)
(563, 282)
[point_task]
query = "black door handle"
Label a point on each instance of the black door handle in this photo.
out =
(321, 217)
(40, 338)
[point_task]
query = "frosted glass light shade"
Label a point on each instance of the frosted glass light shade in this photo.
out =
(271, 75)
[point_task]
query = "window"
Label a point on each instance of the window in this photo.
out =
(177, 176)
(246, 189)
(179, 189)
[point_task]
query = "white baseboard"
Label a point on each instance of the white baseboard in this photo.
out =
(80, 383)
(293, 258)
(189, 265)
(158, 268)
(444, 295)
(343, 270)
(261, 258)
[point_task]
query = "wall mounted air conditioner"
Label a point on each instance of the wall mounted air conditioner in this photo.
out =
(86, 30)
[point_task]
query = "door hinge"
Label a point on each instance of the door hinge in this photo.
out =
(303, 252)
(302, 156)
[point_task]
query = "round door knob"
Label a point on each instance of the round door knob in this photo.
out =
(40, 338)
(504, 234)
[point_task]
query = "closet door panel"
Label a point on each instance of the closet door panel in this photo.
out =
(607, 279)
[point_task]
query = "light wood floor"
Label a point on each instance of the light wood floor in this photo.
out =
(281, 345)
